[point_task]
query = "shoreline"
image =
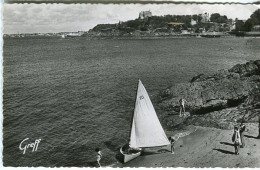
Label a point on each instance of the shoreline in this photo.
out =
(128, 37)
(205, 147)
(181, 133)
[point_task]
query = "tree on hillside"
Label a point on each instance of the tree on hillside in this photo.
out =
(216, 17)
(239, 25)
(135, 24)
(196, 17)
(157, 21)
(248, 25)
(255, 17)
(223, 19)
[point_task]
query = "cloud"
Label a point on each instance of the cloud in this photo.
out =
(30, 18)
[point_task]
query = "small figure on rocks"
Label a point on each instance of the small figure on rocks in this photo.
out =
(242, 129)
(258, 127)
(236, 139)
(99, 156)
(182, 107)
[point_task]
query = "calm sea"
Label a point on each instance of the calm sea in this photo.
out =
(77, 94)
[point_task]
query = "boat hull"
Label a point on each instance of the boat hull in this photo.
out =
(129, 157)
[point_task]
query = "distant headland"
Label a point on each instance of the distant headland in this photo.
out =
(147, 25)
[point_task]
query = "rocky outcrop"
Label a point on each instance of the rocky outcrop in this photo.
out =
(218, 99)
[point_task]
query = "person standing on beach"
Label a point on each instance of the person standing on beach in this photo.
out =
(242, 129)
(99, 156)
(258, 127)
(182, 106)
(236, 139)
(172, 140)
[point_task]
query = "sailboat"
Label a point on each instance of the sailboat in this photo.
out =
(146, 129)
(63, 36)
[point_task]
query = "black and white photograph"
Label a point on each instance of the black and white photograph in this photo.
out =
(115, 84)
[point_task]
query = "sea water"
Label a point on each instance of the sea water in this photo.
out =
(78, 94)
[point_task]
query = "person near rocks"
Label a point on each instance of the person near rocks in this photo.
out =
(172, 140)
(242, 129)
(236, 139)
(182, 106)
(258, 137)
(99, 156)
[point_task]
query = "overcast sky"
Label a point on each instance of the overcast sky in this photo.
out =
(31, 18)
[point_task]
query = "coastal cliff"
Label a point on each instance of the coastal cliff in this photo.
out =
(219, 100)
(169, 25)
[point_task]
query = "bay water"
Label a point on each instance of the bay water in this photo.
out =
(77, 94)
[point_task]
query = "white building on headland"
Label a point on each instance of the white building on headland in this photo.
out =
(75, 34)
(232, 25)
(145, 14)
(193, 22)
(205, 17)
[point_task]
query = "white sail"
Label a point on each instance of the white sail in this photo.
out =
(146, 128)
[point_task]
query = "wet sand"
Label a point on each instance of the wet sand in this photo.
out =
(205, 147)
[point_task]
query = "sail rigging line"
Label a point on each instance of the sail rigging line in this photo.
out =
(133, 111)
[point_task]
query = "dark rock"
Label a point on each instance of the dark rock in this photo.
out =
(220, 98)
(196, 77)
(248, 69)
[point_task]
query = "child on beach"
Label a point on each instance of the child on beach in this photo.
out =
(182, 107)
(242, 129)
(236, 139)
(172, 140)
(99, 156)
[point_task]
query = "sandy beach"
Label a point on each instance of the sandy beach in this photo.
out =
(204, 147)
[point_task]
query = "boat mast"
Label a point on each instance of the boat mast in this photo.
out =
(133, 110)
